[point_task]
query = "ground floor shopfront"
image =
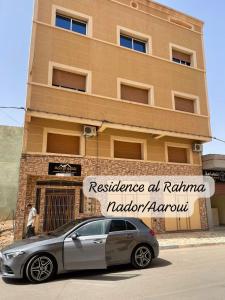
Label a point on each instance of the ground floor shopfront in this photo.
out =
(59, 199)
(214, 166)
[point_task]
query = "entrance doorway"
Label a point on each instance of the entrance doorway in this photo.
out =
(59, 208)
(188, 223)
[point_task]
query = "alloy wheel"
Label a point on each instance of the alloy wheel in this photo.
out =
(41, 268)
(143, 256)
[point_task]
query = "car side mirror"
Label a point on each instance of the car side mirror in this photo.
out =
(74, 236)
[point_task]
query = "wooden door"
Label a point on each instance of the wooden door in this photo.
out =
(59, 208)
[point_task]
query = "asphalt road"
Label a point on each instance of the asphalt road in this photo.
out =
(194, 273)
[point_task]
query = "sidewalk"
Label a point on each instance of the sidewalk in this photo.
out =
(192, 239)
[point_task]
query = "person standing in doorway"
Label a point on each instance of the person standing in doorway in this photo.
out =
(31, 221)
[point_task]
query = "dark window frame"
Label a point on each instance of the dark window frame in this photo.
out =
(182, 61)
(115, 220)
(132, 225)
(66, 86)
(76, 20)
(125, 227)
(133, 40)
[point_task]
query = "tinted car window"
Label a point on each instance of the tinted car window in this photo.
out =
(130, 226)
(92, 228)
(117, 225)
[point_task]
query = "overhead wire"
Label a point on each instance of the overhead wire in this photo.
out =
(23, 108)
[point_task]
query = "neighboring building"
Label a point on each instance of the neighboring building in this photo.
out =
(10, 153)
(214, 165)
(135, 71)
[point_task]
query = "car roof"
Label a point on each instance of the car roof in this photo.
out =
(95, 218)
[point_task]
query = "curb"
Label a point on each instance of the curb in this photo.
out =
(190, 246)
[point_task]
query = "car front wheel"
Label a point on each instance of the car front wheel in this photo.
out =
(40, 268)
(141, 257)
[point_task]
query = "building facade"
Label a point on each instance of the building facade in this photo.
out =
(134, 72)
(10, 153)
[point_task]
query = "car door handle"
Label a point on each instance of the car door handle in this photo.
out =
(98, 241)
(130, 235)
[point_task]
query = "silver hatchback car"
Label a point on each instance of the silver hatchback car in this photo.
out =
(93, 243)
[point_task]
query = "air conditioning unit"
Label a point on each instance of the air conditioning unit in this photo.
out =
(197, 147)
(89, 131)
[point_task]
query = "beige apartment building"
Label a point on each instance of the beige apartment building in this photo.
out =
(115, 87)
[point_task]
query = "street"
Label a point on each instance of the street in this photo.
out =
(191, 273)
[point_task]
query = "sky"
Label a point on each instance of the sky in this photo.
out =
(15, 35)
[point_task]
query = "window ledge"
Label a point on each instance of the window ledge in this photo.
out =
(131, 49)
(189, 67)
(129, 159)
(68, 89)
(61, 154)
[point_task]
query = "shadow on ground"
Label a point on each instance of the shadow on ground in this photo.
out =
(115, 273)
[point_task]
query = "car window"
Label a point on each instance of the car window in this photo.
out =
(65, 228)
(130, 226)
(93, 228)
(117, 225)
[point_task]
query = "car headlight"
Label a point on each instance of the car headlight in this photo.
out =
(13, 254)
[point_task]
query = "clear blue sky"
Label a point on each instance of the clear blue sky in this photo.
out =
(15, 30)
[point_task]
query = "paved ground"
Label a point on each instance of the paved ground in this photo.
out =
(194, 273)
(192, 239)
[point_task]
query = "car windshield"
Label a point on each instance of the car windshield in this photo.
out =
(65, 228)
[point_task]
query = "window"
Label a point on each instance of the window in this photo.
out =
(132, 43)
(184, 104)
(181, 58)
(134, 94)
(69, 80)
(79, 27)
(127, 150)
(117, 225)
(71, 24)
(130, 226)
(64, 144)
(177, 154)
(93, 228)
(63, 22)
(182, 55)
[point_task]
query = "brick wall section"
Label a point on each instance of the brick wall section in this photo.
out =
(203, 214)
(34, 166)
